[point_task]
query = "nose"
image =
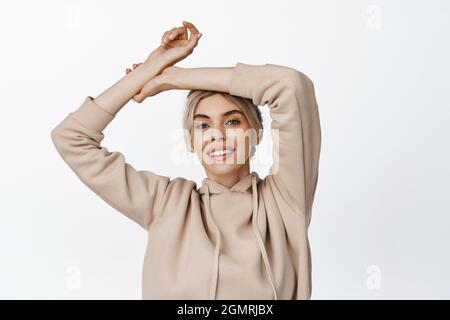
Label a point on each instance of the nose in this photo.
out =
(216, 134)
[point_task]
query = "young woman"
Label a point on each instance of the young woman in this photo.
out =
(237, 236)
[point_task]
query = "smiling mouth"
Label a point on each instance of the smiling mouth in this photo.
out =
(221, 155)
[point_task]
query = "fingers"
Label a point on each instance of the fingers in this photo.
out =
(194, 31)
(195, 35)
(177, 33)
(181, 33)
(137, 98)
(184, 35)
(135, 65)
(163, 39)
(142, 94)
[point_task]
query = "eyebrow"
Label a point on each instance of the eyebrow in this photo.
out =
(223, 115)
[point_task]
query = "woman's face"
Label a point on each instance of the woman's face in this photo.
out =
(221, 135)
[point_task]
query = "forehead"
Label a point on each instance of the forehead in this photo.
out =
(214, 106)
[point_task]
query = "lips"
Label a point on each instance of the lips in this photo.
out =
(220, 156)
(219, 148)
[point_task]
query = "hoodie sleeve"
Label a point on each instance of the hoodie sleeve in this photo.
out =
(78, 137)
(296, 132)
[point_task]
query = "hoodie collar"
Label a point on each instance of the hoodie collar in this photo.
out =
(243, 185)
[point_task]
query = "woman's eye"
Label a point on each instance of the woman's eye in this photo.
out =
(201, 126)
(234, 122)
(204, 125)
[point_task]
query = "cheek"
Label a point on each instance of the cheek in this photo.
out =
(241, 141)
(199, 141)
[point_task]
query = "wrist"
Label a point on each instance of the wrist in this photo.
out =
(172, 77)
(153, 66)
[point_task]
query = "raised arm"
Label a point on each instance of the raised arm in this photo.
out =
(296, 132)
(78, 140)
(78, 137)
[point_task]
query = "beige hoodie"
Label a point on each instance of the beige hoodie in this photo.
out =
(249, 241)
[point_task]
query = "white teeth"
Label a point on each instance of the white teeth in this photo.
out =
(220, 152)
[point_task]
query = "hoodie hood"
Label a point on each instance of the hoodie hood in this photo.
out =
(248, 184)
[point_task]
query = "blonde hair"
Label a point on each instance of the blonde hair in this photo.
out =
(250, 110)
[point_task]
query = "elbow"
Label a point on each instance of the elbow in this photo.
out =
(300, 80)
(55, 135)
(58, 136)
(291, 75)
(299, 77)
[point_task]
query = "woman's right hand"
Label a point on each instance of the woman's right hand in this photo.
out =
(175, 45)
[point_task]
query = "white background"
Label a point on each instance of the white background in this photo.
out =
(381, 217)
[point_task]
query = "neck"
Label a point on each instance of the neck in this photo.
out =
(230, 179)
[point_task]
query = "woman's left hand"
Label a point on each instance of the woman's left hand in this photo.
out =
(162, 82)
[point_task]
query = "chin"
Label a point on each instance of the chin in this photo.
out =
(223, 169)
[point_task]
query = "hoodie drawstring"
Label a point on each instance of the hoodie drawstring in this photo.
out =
(215, 266)
(259, 238)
